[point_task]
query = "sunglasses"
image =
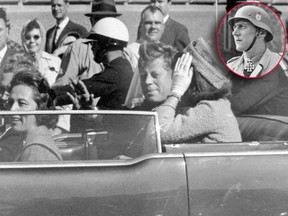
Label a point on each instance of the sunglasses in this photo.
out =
(35, 37)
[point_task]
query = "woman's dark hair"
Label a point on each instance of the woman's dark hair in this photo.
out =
(33, 24)
(43, 95)
(3, 16)
(201, 89)
(28, 27)
(17, 61)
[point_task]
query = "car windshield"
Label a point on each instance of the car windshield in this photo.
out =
(94, 135)
(122, 135)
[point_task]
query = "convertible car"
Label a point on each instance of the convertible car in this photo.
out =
(115, 164)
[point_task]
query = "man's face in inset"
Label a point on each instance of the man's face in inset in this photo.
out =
(152, 26)
(162, 4)
(243, 33)
(4, 34)
(59, 9)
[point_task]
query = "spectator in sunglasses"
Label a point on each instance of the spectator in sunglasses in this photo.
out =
(33, 40)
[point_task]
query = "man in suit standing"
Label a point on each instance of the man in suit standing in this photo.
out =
(64, 26)
(175, 33)
(5, 50)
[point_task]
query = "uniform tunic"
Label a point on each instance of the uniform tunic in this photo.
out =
(267, 63)
(112, 84)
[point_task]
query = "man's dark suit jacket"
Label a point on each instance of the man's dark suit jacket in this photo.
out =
(175, 34)
(9, 52)
(71, 27)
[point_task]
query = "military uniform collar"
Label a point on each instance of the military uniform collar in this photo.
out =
(238, 63)
(264, 61)
(255, 59)
(262, 64)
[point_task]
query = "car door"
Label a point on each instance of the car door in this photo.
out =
(109, 168)
(149, 185)
(238, 183)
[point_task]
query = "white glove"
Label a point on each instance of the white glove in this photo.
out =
(182, 75)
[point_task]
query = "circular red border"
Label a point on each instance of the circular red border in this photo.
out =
(219, 30)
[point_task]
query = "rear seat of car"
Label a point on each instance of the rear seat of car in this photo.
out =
(263, 127)
(252, 127)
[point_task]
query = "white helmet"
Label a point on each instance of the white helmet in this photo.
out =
(109, 32)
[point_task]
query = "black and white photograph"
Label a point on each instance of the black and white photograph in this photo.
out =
(259, 36)
(143, 107)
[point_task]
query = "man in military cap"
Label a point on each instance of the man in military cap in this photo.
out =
(252, 32)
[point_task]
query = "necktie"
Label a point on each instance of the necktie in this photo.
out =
(56, 34)
(54, 37)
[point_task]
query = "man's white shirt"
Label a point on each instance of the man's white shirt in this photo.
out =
(60, 28)
(3, 52)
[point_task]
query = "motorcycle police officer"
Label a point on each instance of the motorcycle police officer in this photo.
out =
(108, 36)
(252, 32)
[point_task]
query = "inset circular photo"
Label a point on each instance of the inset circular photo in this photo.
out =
(251, 39)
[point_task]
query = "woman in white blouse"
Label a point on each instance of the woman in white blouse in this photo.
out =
(33, 38)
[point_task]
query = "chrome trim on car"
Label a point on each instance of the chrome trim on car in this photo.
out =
(79, 112)
(83, 163)
(237, 153)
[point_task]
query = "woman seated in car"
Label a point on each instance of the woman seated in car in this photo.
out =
(192, 105)
(33, 40)
(30, 91)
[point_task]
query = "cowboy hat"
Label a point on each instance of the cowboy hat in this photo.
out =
(103, 8)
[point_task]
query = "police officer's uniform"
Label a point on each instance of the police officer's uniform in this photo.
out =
(267, 62)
